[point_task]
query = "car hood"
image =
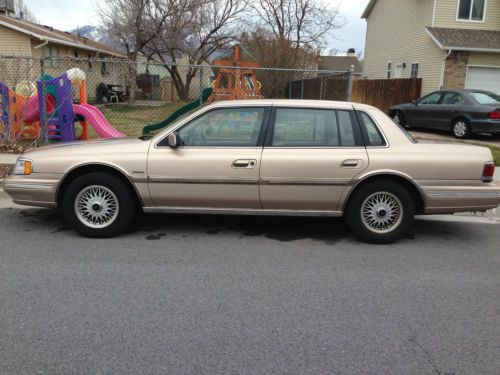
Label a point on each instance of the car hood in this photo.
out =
(92, 147)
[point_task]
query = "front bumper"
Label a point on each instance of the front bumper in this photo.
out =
(34, 190)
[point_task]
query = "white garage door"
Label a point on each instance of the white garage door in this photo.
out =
(483, 79)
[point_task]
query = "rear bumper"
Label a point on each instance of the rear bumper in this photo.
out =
(33, 190)
(485, 126)
(450, 199)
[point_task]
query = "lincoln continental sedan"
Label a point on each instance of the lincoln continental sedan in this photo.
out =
(261, 157)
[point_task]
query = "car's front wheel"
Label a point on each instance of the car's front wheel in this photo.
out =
(99, 205)
(460, 128)
(380, 212)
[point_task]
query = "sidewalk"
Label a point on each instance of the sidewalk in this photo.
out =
(8, 158)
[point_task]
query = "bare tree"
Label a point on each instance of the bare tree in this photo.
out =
(190, 32)
(299, 27)
(128, 21)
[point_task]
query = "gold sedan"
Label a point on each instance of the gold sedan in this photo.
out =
(261, 157)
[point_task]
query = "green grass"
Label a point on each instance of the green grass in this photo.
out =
(130, 119)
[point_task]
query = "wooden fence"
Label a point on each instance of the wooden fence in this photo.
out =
(384, 93)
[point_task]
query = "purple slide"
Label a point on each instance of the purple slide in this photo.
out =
(96, 119)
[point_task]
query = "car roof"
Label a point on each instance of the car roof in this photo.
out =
(284, 102)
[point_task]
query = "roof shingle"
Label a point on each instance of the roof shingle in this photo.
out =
(465, 39)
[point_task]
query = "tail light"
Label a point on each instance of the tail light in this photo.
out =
(495, 115)
(488, 172)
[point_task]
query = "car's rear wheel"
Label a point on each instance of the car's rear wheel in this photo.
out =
(380, 212)
(99, 205)
(460, 128)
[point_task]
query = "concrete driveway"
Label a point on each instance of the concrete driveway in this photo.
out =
(240, 295)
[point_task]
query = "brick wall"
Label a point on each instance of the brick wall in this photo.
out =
(456, 70)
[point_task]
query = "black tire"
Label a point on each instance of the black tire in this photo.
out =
(460, 128)
(399, 118)
(363, 226)
(112, 190)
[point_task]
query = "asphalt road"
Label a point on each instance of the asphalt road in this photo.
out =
(226, 295)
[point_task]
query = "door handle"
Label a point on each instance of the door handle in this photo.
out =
(351, 163)
(244, 163)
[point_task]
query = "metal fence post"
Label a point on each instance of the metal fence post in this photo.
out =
(350, 84)
(321, 89)
(201, 86)
(43, 113)
(302, 89)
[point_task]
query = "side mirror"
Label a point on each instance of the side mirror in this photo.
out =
(172, 140)
(415, 102)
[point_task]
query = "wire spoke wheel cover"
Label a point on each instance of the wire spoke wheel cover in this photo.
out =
(382, 212)
(96, 206)
(460, 128)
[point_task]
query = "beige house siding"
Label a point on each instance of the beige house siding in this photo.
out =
(396, 33)
(484, 59)
(446, 16)
(14, 43)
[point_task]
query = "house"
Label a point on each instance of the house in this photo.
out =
(341, 63)
(450, 44)
(23, 46)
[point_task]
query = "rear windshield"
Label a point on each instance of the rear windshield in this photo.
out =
(485, 97)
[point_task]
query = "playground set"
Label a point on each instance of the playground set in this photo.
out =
(235, 80)
(47, 110)
(25, 112)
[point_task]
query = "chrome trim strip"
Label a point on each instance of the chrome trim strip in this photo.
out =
(204, 180)
(239, 211)
(250, 181)
(21, 186)
(464, 194)
(306, 182)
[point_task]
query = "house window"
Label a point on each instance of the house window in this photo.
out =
(389, 70)
(414, 70)
(104, 68)
(51, 55)
(399, 71)
(471, 10)
(89, 59)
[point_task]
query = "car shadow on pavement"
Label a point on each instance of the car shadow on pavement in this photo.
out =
(284, 229)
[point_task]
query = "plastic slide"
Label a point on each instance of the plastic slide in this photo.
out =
(181, 111)
(96, 119)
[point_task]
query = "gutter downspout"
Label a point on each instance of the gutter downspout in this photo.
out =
(443, 67)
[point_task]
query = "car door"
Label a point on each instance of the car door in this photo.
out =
(216, 164)
(309, 158)
(419, 115)
(444, 113)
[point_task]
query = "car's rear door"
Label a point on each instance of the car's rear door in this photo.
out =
(310, 156)
(449, 105)
(217, 164)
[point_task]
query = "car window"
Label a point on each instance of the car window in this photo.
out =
(453, 98)
(485, 97)
(302, 127)
(224, 127)
(431, 98)
(372, 134)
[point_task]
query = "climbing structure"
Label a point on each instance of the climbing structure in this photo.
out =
(235, 77)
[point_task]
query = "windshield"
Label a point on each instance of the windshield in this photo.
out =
(485, 97)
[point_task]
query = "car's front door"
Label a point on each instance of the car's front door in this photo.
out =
(216, 164)
(419, 115)
(310, 157)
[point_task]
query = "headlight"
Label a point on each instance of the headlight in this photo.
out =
(23, 166)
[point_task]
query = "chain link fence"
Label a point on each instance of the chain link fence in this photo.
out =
(115, 97)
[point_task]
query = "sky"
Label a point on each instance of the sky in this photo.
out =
(68, 14)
